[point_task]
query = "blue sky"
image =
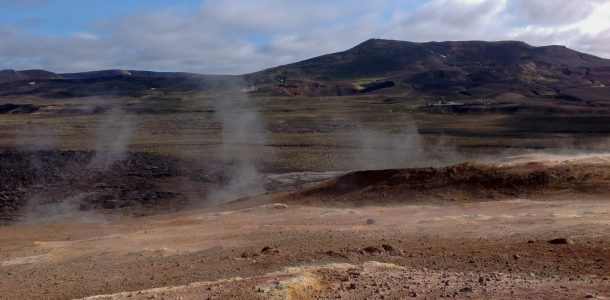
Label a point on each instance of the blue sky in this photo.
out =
(233, 36)
(65, 17)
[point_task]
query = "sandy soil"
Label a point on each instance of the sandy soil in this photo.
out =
(532, 227)
(556, 159)
(368, 252)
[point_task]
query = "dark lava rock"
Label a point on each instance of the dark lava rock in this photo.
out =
(561, 241)
(269, 250)
(372, 250)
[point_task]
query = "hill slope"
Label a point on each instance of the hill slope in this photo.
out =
(467, 69)
(524, 177)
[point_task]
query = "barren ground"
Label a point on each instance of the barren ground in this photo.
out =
(470, 230)
(496, 248)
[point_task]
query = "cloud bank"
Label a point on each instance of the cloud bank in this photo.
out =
(235, 37)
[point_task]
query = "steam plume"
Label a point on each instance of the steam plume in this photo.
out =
(241, 128)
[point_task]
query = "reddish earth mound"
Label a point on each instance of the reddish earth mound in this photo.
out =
(466, 182)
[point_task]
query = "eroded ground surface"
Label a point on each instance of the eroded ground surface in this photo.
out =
(496, 249)
(43, 183)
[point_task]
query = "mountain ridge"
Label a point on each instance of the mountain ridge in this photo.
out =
(452, 68)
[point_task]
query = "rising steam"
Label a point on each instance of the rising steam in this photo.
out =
(112, 137)
(241, 127)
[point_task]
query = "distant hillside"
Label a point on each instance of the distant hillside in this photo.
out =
(100, 83)
(469, 69)
(12, 75)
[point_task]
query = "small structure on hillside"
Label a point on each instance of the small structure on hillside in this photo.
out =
(444, 102)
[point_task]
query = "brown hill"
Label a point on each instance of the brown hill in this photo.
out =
(462, 182)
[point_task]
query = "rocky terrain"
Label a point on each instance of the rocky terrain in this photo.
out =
(50, 183)
(34, 182)
(374, 280)
(554, 248)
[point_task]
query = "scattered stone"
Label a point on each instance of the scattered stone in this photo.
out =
(280, 206)
(372, 250)
(269, 250)
(516, 256)
(391, 250)
(561, 241)
(412, 294)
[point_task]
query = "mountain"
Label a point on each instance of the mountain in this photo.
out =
(466, 69)
(469, 68)
(12, 75)
(98, 83)
(389, 58)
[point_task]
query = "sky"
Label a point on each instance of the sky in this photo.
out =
(237, 37)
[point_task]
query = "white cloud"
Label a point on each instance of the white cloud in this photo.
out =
(444, 20)
(548, 13)
(231, 36)
(596, 22)
(85, 36)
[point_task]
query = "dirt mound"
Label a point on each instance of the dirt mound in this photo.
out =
(463, 182)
